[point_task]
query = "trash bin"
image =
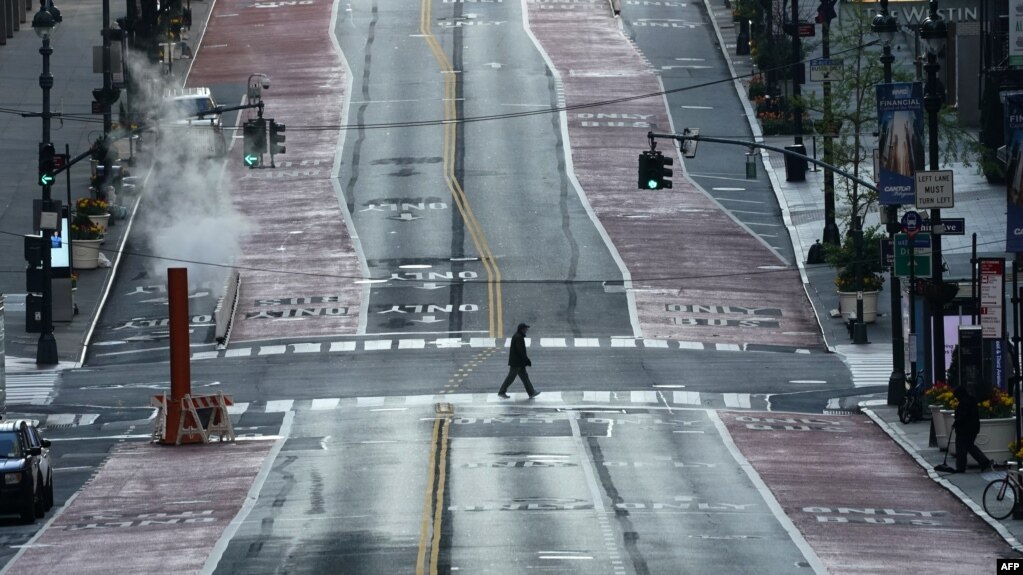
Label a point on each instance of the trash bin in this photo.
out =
(795, 168)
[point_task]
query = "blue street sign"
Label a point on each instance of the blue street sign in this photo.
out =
(953, 226)
(911, 222)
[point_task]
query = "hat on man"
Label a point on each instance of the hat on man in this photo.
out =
(522, 325)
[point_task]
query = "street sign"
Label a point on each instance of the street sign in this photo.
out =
(921, 253)
(807, 30)
(953, 226)
(824, 70)
(911, 222)
(934, 190)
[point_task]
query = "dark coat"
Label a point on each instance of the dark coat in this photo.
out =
(967, 414)
(518, 357)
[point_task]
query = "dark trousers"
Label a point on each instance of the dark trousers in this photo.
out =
(521, 372)
(964, 446)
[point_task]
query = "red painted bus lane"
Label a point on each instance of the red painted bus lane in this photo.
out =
(149, 509)
(858, 499)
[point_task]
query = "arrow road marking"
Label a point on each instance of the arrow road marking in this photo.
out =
(428, 319)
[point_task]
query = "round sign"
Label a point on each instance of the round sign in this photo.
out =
(911, 223)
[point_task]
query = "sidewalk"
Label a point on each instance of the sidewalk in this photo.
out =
(74, 80)
(802, 204)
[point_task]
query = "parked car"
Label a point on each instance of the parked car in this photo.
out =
(26, 487)
(186, 117)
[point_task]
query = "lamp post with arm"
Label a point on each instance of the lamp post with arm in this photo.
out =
(44, 23)
(885, 26)
(934, 33)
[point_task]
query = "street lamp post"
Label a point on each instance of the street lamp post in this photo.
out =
(44, 23)
(885, 26)
(934, 33)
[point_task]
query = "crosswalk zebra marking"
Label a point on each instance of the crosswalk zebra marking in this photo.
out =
(32, 388)
(325, 403)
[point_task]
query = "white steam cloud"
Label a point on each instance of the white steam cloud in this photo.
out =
(187, 212)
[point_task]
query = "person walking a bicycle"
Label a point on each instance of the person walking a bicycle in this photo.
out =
(967, 426)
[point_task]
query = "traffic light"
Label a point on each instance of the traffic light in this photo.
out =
(653, 171)
(277, 138)
(646, 172)
(46, 167)
(254, 138)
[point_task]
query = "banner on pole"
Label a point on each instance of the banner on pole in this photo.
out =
(1015, 33)
(900, 118)
(1014, 155)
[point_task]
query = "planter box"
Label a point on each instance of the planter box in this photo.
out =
(847, 305)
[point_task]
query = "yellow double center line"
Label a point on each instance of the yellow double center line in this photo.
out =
(450, 137)
(433, 504)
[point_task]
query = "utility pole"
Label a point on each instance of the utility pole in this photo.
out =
(831, 234)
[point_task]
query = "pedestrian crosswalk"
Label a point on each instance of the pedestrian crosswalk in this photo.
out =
(634, 398)
(870, 364)
(485, 342)
(31, 388)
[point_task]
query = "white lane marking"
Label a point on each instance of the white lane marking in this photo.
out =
(755, 214)
(60, 419)
(375, 345)
(697, 107)
(767, 496)
(738, 200)
(237, 409)
(305, 347)
(362, 401)
(342, 346)
(729, 189)
(763, 224)
(690, 345)
(549, 397)
(239, 352)
(482, 342)
(196, 356)
(622, 342)
(419, 399)
(552, 342)
(325, 403)
(272, 349)
(458, 398)
(658, 343)
(217, 553)
(586, 342)
(601, 396)
(411, 344)
(587, 465)
(807, 381)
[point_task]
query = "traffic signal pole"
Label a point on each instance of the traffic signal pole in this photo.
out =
(690, 136)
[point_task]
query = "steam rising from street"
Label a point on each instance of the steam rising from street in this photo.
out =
(188, 214)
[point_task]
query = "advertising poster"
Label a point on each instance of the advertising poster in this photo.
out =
(1014, 177)
(900, 119)
(1016, 32)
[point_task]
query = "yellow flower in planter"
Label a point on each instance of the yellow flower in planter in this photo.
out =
(91, 207)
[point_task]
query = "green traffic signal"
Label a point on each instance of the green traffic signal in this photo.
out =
(653, 171)
(254, 142)
(46, 164)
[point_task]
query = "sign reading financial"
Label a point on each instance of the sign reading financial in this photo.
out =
(900, 114)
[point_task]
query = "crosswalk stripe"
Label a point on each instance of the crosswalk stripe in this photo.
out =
(33, 388)
(305, 347)
(686, 397)
(238, 352)
(587, 342)
(552, 342)
(342, 346)
(644, 397)
(272, 349)
(411, 343)
(366, 401)
(377, 345)
(277, 405)
(326, 403)
(482, 342)
(736, 399)
(690, 345)
(598, 396)
(237, 409)
(656, 343)
(622, 342)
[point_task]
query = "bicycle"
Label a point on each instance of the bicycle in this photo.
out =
(1000, 495)
(912, 407)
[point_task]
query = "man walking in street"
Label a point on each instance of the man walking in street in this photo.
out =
(518, 361)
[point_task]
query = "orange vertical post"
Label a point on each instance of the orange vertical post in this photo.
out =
(180, 353)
